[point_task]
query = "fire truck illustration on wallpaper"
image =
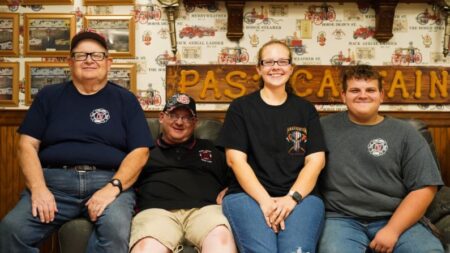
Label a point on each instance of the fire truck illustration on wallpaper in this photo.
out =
(320, 13)
(405, 56)
(426, 16)
(145, 13)
(149, 97)
(295, 44)
(232, 55)
(199, 31)
(263, 16)
(364, 32)
(164, 58)
(340, 59)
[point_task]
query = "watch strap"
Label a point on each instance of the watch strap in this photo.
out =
(296, 196)
(117, 183)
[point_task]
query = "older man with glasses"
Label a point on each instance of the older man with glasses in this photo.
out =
(178, 190)
(82, 146)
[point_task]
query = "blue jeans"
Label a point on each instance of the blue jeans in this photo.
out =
(354, 236)
(21, 232)
(303, 226)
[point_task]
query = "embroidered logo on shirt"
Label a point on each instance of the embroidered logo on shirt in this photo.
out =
(205, 155)
(297, 137)
(377, 147)
(99, 116)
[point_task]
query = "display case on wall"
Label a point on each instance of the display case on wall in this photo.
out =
(9, 83)
(48, 35)
(119, 32)
(9, 34)
(40, 74)
(124, 74)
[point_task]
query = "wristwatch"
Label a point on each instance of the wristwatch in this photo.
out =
(295, 195)
(116, 182)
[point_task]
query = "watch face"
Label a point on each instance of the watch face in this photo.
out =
(116, 182)
(297, 197)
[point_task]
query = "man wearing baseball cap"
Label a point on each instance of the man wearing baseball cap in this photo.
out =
(82, 145)
(178, 190)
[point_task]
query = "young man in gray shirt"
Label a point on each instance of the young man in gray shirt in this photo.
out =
(380, 175)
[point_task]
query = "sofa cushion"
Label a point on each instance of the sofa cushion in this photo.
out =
(440, 206)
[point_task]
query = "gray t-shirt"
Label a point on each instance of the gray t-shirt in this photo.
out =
(370, 169)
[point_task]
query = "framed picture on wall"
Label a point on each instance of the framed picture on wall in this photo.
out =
(124, 74)
(47, 2)
(108, 2)
(41, 74)
(48, 35)
(119, 32)
(9, 34)
(9, 83)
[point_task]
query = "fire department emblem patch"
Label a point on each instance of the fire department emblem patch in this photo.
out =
(377, 147)
(205, 155)
(99, 116)
(183, 99)
(297, 137)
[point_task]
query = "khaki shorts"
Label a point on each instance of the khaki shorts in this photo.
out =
(173, 228)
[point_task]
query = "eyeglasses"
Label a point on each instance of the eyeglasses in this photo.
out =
(95, 56)
(176, 117)
(270, 62)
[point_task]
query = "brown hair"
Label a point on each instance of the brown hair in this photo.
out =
(360, 72)
(288, 86)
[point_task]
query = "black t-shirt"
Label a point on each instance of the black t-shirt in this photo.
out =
(276, 139)
(99, 129)
(183, 176)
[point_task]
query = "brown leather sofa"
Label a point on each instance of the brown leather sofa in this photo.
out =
(73, 236)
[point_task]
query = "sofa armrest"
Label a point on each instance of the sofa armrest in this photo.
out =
(74, 235)
(440, 207)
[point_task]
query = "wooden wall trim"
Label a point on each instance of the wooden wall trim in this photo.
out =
(433, 119)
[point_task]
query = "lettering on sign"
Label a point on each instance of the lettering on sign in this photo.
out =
(318, 84)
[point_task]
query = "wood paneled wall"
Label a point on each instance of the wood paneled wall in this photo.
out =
(12, 182)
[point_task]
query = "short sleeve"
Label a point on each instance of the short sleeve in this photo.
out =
(420, 168)
(138, 132)
(35, 121)
(316, 141)
(233, 134)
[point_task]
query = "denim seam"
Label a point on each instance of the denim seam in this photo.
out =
(232, 224)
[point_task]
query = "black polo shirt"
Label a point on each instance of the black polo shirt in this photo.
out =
(183, 176)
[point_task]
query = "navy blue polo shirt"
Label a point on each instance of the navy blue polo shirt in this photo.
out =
(99, 129)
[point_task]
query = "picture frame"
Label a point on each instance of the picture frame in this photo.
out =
(9, 84)
(41, 74)
(9, 34)
(124, 74)
(47, 2)
(108, 2)
(119, 31)
(48, 34)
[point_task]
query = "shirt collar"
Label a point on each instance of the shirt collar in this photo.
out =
(189, 144)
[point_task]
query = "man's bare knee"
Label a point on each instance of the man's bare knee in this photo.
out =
(149, 244)
(219, 240)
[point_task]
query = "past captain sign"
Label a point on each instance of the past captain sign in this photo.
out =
(318, 84)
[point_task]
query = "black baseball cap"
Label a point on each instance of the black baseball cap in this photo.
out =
(181, 100)
(88, 34)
